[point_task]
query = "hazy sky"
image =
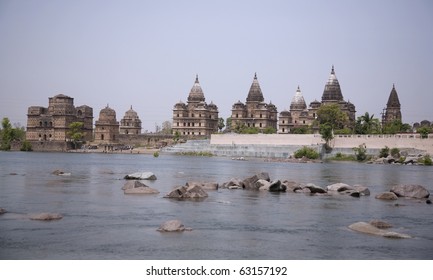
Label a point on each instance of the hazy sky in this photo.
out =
(147, 53)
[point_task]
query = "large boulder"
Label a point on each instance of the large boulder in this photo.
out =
(368, 228)
(387, 196)
(172, 226)
(363, 190)
(380, 224)
(187, 192)
(46, 217)
(339, 187)
(136, 187)
(412, 191)
(140, 176)
(276, 186)
(250, 182)
(234, 183)
(314, 188)
(291, 186)
(263, 185)
(204, 185)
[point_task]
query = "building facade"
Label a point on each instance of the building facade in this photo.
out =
(52, 123)
(130, 123)
(196, 117)
(392, 111)
(107, 127)
(255, 112)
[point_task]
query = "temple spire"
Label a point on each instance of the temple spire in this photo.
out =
(196, 78)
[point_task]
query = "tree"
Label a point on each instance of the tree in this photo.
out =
(367, 124)
(327, 134)
(424, 131)
(6, 135)
(221, 124)
(269, 130)
(75, 132)
(396, 126)
(229, 124)
(166, 127)
(332, 115)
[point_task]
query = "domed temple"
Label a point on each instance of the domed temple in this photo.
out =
(299, 116)
(196, 118)
(393, 108)
(107, 127)
(255, 112)
(131, 123)
(52, 124)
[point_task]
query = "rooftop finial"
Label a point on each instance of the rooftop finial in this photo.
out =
(299, 88)
(255, 75)
(196, 78)
(332, 70)
(131, 107)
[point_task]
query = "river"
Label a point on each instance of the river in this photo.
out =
(100, 222)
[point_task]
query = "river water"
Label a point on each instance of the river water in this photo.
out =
(100, 222)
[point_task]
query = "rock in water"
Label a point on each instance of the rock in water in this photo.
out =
(412, 191)
(187, 192)
(276, 186)
(137, 187)
(172, 226)
(314, 189)
(339, 187)
(2, 211)
(370, 229)
(204, 185)
(60, 173)
(140, 176)
(380, 224)
(250, 183)
(387, 196)
(46, 217)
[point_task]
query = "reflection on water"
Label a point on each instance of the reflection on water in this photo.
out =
(100, 222)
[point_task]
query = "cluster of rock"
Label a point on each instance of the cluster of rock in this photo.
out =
(378, 228)
(407, 191)
(188, 191)
(59, 172)
(408, 160)
(262, 182)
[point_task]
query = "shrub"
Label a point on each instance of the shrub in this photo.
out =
(395, 152)
(156, 154)
(361, 152)
(309, 153)
(384, 152)
(26, 146)
(427, 160)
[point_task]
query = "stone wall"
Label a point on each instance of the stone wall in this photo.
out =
(284, 145)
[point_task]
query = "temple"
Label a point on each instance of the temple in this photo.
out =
(196, 118)
(255, 112)
(131, 123)
(393, 108)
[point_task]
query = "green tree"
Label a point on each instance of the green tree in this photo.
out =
(176, 136)
(396, 126)
(7, 135)
(332, 115)
(361, 152)
(424, 131)
(229, 124)
(75, 132)
(367, 124)
(221, 124)
(327, 134)
(301, 130)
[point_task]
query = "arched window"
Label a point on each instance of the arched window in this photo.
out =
(102, 136)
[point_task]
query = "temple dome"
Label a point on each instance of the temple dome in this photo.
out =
(255, 93)
(332, 91)
(298, 101)
(107, 114)
(196, 93)
(131, 114)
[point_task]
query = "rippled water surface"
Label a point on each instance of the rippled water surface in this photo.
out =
(100, 222)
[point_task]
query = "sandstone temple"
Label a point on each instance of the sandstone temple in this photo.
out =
(196, 118)
(393, 108)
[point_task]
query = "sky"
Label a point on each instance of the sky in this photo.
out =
(148, 53)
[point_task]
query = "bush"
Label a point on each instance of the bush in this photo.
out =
(156, 154)
(309, 153)
(395, 152)
(384, 152)
(427, 160)
(26, 146)
(361, 152)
